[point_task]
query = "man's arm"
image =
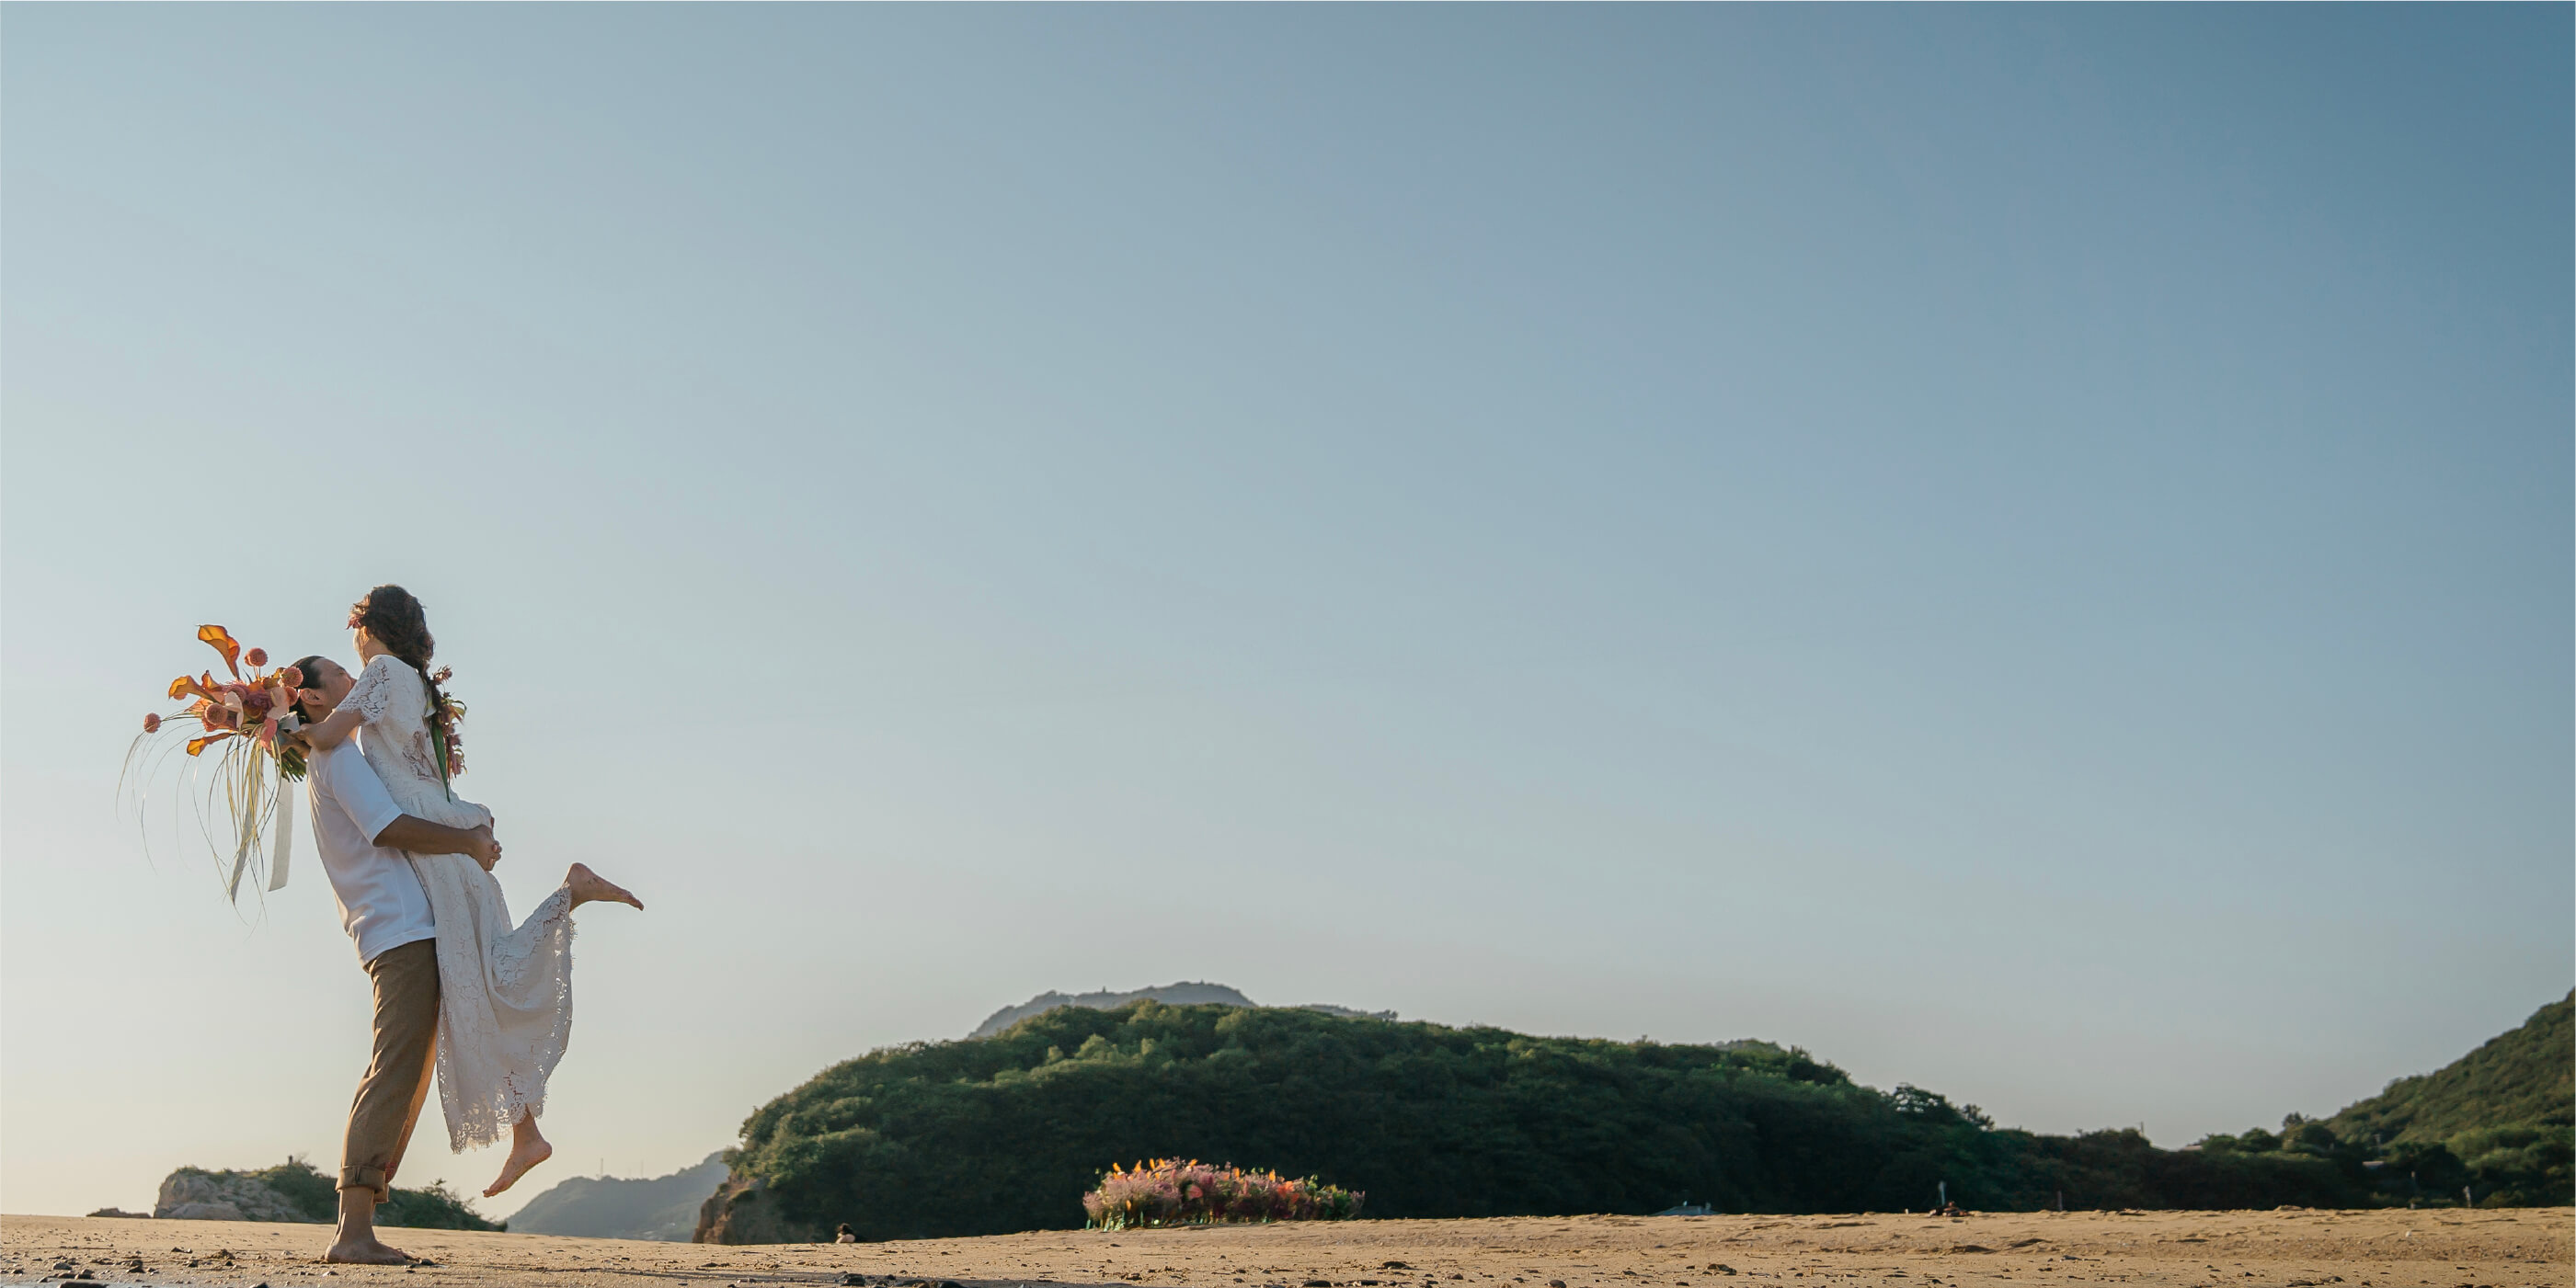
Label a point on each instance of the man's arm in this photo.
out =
(343, 775)
(420, 836)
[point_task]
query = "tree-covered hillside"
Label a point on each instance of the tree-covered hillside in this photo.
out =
(2500, 1120)
(2525, 1076)
(1005, 1133)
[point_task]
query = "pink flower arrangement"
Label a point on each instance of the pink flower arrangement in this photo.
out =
(247, 706)
(1167, 1191)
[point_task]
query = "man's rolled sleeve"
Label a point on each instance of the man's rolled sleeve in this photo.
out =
(361, 794)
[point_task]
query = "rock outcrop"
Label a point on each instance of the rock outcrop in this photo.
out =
(193, 1195)
(740, 1212)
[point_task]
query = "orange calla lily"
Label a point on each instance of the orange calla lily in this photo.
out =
(183, 686)
(196, 745)
(222, 641)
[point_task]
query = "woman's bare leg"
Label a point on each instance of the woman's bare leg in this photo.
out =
(528, 1148)
(590, 887)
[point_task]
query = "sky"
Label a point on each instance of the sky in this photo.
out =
(2024, 550)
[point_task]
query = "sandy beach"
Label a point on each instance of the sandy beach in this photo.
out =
(2523, 1248)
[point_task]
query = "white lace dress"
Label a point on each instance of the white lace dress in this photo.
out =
(504, 991)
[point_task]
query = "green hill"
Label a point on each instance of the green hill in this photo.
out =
(2500, 1120)
(1005, 1133)
(2527, 1076)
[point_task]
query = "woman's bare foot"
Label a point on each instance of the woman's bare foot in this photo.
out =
(527, 1149)
(590, 887)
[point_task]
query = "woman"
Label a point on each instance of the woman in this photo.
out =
(505, 991)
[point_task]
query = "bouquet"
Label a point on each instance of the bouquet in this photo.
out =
(254, 772)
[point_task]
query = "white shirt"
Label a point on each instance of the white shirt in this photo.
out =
(381, 903)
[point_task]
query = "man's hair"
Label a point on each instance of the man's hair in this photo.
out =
(304, 667)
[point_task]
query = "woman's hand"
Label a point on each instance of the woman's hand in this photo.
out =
(484, 850)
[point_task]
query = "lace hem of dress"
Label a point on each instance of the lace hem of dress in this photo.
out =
(487, 1117)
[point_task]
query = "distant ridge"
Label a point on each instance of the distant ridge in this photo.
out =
(1185, 993)
(609, 1207)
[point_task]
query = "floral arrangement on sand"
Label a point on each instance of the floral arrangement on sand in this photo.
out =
(244, 720)
(1167, 1191)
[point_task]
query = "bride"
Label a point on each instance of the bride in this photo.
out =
(504, 990)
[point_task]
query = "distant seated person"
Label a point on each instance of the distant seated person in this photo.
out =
(847, 1235)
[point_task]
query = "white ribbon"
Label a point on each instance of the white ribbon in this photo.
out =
(241, 857)
(285, 833)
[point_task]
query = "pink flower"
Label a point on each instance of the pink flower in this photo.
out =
(151, 722)
(291, 677)
(256, 657)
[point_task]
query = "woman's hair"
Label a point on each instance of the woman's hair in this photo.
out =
(398, 622)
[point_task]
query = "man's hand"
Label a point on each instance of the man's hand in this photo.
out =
(420, 836)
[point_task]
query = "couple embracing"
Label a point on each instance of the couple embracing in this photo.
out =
(458, 986)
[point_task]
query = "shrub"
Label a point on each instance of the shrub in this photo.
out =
(434, 1208)
(1170, 1192)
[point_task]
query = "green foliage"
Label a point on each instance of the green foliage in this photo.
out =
(2500, 1120)
(317, 1197)
(1007, 1133)
(298, 1182)
(2526, 1076)
(2253, 1141)
(435, 1208)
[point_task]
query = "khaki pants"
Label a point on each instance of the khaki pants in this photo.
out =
(397, 1081)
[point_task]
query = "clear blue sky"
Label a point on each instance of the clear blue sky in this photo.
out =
(2026, 550)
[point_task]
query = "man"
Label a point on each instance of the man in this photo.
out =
(361, 835)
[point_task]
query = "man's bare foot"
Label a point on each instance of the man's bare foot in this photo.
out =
(369, 1251)
(590, 887)
(523, 1155)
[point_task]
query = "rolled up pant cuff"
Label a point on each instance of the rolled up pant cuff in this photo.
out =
(370, 1179)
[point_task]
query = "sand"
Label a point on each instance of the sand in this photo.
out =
(2297, 1248)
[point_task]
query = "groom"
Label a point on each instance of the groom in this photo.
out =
(362, 835)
